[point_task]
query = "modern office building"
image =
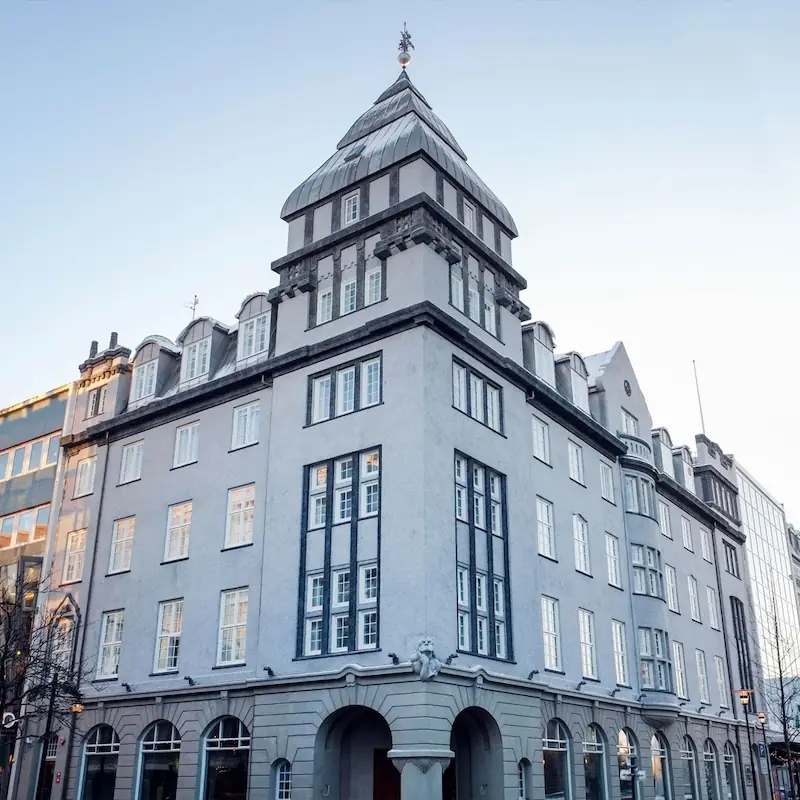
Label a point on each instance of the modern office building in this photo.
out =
(375, 539)
(29, 447)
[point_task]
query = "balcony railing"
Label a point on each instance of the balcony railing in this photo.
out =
(637, 448)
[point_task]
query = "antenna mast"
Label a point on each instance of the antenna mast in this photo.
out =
(192, 306)
(699, 399)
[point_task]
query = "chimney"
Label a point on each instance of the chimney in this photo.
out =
(93, 349)
(113, 343)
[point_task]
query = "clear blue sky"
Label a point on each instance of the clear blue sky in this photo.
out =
(648, 151)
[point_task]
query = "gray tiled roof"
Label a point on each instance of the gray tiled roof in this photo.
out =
(399, 124)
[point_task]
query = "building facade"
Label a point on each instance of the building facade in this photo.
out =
(377, 540)
(29, 448)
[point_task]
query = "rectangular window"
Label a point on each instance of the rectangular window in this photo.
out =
(253, 336)
(612, 559)
(706, 546)
(702, 676)
(347, 303)
(588, 654)
(545, 528)
(131, 463)
(340, 633)
(374, 291)
(460, 388)
(345, 391)
(731, 559)
(686, 533)
(324, 306)
(480, 592)
(482, 638)
(580, 534)
(186, 438)
(368, 583)
(476, 397)
(500, 639)
(84, 480)
(606, 482)
(722, 684)
(499, 599)
(18, 462)
(179, 523)
(645, 642)
(663, 519)
(313, 637)
(541, 440)
(144, 380)
(122, 545)
(73, 559)
(575, 461)
(367, 629)
(110, 644)
(96, 402)
(463, 630)
(630, 424)
(351, 209)
(314, 592)
(551, 634)
(631, 494)
(474, 300)
(245, 425)
(337, 393)
(195, 359)
(672, 588)
(321, 399)
(370, 382)
(620, 652)
(457, 286)
(340, 587)
(469, 216)
(493, 407)
(168, 640)
(232, 645)
(35, 457)
(713, 609)
(462, 576)
(646, 498)
(241, 512)
(489, 314)
(343, 507)
(370, 489)
(679, 665)
(694, 599)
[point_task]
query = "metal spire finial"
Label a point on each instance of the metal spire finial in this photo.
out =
(405, 43)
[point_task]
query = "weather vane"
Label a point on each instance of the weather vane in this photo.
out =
(405, 43)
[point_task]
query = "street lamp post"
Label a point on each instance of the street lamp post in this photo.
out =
(744, 696)
(762, 718)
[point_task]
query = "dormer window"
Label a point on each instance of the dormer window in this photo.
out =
(96, 403)
(544, 364)
(144, 380)
(688, 470)
(579, 378)
(469, 216)
(665, 443)
(253, 336)
(195, 359)
(630, 424)
(351, 209)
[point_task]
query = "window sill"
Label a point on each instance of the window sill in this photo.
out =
(164, 673)
(542, 461)
(480, 421)
(174, 560)
(674, 611)
(624, 685)
(132, 480)
(108, 679)
(614, 586)
(181, 466)
(72, 583)
(85, 494)
(230, 666)
(486, 656)
(236, 547)
(242, 447)
(575, 480)
(117, 572)
(555, 671)
(337, 654)
(549, 558)
(582, 572)
(592, 680)
(610, 502)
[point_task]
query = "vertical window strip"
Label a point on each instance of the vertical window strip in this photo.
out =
(344, 389)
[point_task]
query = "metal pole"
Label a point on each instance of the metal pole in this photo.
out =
(699, 401)
(750, 748)
(769, 761)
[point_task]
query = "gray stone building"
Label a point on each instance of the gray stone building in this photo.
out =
(376, 540)
(29, 448)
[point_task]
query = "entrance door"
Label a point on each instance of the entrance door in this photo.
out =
(449, 782)
(385, 777)
(45, 784)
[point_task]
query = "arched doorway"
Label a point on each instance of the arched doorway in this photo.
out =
(101, 752)
(659, 760)
(626, 748)
(226, 756)
(351, 757)
(476, 772)
(160, 754)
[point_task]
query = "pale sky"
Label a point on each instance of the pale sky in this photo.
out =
(648, 152)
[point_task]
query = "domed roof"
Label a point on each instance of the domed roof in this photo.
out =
(400, 123)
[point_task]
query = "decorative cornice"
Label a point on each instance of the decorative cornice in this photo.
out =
(121, 352)
(106, 374)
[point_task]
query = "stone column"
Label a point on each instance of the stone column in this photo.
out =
(421, 772)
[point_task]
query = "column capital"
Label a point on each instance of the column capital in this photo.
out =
(423, 758)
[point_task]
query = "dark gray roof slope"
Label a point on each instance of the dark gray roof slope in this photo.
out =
(399, 124)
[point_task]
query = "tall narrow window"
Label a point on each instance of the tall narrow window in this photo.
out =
(370, 487)
(631, 494)
(493, 407)
(551, 634)
(160, 762)
(594, 764)
(351, 209)
(620, 646)
(588, 650)
(580, 533)
(679, 665)
(476, 397)
(663, 519)
(370, 382)
(555, 762)
(96, 403)
(283, 781)
(575, 453)
(345, 391)
(131, 462)
(659, 762)
(227, 760)
(606, 482)
(195, 359)
(324, 306)
(373, 291)
(541, 440)
(672, 588)
(686, 533)
(460, 387)
(73, 560)
(321, 399)
(347, 303)
(110, 644)
(122, 545)
(545, 528)
(179, 523)
(232, 644)
(144, 380)
(168, 641)
(702, 676)
(469, 216)
(694, 599)
(245, 425)
(706, 546)
(543, 359)
(186, 438)
(612, 560)
(713, 608)
(722, 683)
(84, 480)
(241, 512)
(457, 286)
(253, 336)
(474, 299)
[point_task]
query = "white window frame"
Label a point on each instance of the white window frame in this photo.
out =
(463, 630)
(311, 624)
(130, 468)
(460, 389)
(335, 619)
(664, 522)
(143, 384)
(365, 615)
(96, 402)
(241, 517)
(620, 646)
(686, 534)
(365, 570)
(321, 398)
(168, 633)
(713, 607)
(671, 579)
(551, 633)
(84, 476)
(316, 579)
(575, 455)
(706, 546)
(238, 646)
(580, 535)
(345, 377)
(462, 586)
(253, 336)
(702, 676)
(587, 642)
(722, 682)
(545, 528)
(340, 588)
(324, 305)
(541, 440)
(612, 561)
(348, 297)
(111, 631)
(469, 216)
(122, 536)
(630, 425)
(694, 599)
(351, 208)
(246, 423)
(190, 456)
(196, 359)
(606, 482)
(630, 486)
(373, 285)
(74, 556)
(679, 666)
(179, 529)
(367, 399)
(457, 286)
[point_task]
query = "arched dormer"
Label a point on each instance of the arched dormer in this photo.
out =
(201, 344)
(544, 343)
(254, 328)
(662, 447)
(154, 357)
(683, 464)
(579, 381)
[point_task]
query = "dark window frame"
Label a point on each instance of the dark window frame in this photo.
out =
(333, 372)
(486, 382)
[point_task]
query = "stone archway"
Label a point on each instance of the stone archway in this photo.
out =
(350, 757)
(476, 772)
